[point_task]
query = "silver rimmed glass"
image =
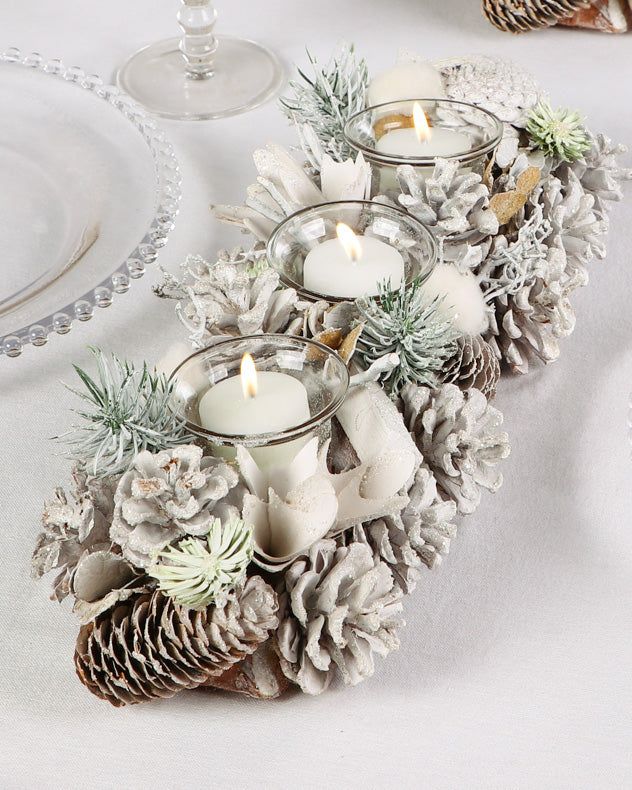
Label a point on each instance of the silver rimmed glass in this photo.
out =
(482, 129)
(319, 369)
(303, 231)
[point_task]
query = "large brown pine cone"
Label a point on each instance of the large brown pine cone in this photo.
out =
(518, 16)
(150, 647)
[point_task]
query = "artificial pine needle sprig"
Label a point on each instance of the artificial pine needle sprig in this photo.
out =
(127, 411)
(559, 133)
(328, 99)
(196, 572)
(406, 322)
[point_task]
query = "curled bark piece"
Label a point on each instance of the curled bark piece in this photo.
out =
(608, 16)
(258, 675)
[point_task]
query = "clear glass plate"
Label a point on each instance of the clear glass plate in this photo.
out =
(90, 192)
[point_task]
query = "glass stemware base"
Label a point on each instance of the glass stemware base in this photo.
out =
(245, 75)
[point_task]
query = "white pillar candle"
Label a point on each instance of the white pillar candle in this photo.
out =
(280, 403)
(407, 80)
(331, 270)
(420, 140)
(405, 142)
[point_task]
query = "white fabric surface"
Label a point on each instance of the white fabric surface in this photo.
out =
(514, 669)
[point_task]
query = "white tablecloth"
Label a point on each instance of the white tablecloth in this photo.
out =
(515, 666)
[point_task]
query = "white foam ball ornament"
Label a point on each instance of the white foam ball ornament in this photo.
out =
(407, 80)
(463, 300)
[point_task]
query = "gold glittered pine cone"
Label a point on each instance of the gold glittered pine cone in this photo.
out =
(518, 16)
(475, 364)
(150, 647)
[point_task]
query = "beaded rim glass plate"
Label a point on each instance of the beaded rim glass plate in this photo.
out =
(91, 190)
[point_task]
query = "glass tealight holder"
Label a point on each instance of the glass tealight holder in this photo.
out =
(321, 380)
(299, 234)
(476, 133)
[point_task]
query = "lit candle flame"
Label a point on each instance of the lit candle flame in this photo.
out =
(422, 127)
(349, 241)
(248, 376)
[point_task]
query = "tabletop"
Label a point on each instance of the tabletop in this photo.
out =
(514, 667)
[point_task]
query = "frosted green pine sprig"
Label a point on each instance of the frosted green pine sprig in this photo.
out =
(557, 132)
(327, 100)
(408, 323)
(196, 572)
(126, 410)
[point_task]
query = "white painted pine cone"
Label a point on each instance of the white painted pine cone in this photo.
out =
(497, 85)
(166, 495)
(600, 173)
(460, 439)
(235, 295)
(451, 202)
(74, 527)
(339, 608)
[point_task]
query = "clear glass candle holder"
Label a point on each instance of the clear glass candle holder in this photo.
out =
(364, 130)
(302, 232)
(318, 368)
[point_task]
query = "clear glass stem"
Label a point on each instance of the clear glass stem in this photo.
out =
(202, 75)
(198, 44)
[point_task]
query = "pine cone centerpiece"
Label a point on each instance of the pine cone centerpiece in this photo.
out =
(458, 435)
(166, 495)
(341, 606)
(518, 16)
(151, 647)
